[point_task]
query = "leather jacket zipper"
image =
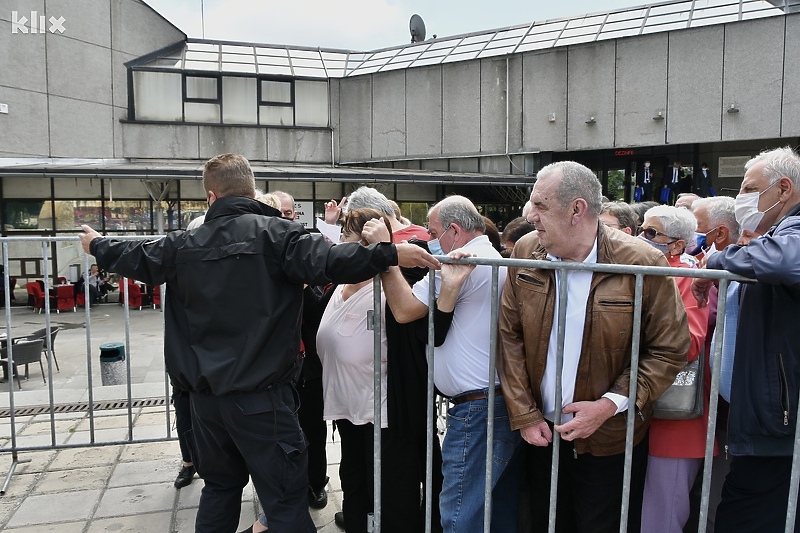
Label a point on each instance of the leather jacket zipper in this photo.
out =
(785, 404)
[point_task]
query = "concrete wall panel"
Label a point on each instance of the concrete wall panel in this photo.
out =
(694, 96)
(80, 129)
(23, 131)
(461, 108)
(22, 63)
(493, 105)
(752, 79)
(92, 26)
(544, 91)
(250, 142)
(120, 114)
(160, 141)
(334, 89)
(299, 146)
(120, 78)
(791, 79)
(515, 103)
(591, 94)
(78, 70)
(355, 112)
(641, 90)
(389, 114)
(424, 111)
(138, 30)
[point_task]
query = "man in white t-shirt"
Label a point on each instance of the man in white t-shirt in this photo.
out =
(461, 372)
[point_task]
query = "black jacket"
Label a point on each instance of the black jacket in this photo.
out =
(234, 291)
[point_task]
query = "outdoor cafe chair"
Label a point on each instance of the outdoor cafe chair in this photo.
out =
(25, 352)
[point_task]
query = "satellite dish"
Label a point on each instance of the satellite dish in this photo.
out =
(417, 27)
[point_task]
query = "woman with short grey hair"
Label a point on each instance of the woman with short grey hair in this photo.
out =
(677, 447)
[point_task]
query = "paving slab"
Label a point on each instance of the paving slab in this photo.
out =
(136, 500)
(66, 506)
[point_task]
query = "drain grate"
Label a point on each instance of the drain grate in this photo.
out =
(83, 407)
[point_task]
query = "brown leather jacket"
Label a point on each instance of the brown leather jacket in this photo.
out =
(526, 318)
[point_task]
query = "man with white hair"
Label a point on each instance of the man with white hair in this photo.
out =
(766, 372)
(597, 353)
(287, 204)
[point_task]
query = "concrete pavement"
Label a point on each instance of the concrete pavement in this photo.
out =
(121, 488)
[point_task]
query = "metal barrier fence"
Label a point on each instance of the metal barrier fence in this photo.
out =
(51, 411)
(639, 272)
(375, 321)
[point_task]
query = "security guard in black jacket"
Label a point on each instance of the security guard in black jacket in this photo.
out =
(233, 306)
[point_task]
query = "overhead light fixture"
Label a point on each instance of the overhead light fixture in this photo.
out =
(733, 108)
(591, 120)
(659, 116)
(551, 117)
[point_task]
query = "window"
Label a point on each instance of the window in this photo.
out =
(239, 100)
(229, 98)
(157, 96)
(201, 98)
(276, 104)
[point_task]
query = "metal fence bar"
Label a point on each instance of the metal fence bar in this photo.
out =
(794, 481)
(10, 372)
(722, 303)
(89, 379)
(47, 329)
(374, 523)
(632, 410)
(561, 280)
(430, 391)
(127, 314)
(487, 509)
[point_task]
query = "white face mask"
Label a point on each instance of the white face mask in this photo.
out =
(746, 209)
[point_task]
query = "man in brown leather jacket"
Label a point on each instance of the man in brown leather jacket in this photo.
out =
(597, 353)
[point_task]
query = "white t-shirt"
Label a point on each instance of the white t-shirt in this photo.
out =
(461, 364)
(346, 347)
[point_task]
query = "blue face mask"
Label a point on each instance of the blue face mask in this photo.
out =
(434, 247)
(663, 248)
(700, 238)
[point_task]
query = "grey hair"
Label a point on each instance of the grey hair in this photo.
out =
(720, 213)
(280, 195)
(460, 210)
(677, 222)
(577, 181)
(625, 214)
(367, 197)
(780, 162)
(527, 208)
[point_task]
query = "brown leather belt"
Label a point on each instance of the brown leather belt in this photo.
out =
(472, 396)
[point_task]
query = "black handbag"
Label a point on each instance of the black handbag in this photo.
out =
(684, 398)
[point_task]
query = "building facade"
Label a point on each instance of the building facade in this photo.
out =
(107, 110)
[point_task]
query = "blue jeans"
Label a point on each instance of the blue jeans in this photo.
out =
(464, 468)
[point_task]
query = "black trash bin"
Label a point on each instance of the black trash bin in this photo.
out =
(112, 364)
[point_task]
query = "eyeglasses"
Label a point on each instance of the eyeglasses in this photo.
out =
(618, 226)
(650, 234)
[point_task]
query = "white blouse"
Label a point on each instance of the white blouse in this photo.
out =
(346, 349)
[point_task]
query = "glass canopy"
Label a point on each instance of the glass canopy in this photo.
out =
(279, 60)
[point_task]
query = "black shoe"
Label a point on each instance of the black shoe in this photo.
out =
(338, 519)
(318, 499)
(185, 477)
